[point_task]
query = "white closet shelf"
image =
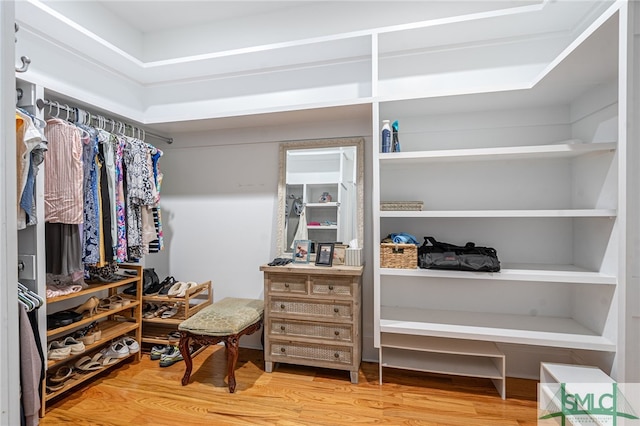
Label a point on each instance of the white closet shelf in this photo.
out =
(515, 272)
(502, 153)
(453, 364)
(329, 204)
(327, 227)
(611, 213)
(493, 327)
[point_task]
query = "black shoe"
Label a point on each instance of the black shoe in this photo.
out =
(62, 318)
(131, 291)
(166, 285)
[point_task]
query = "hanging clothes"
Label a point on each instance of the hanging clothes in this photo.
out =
(30, 147)
(31, 367)
(63, 173)
(140, 192)
(91, 213)
(121, 217)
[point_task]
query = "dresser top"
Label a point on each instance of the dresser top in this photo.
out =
(304, 268)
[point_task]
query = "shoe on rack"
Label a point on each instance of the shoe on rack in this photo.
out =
(77, 347)
(171, 312)
(90, 305)
(185, 290)
(132, 290)
(113, 352)
(62, 318)
(131, 343)
(57, 350)
(166, 285)
(172, 356)
(61, 375)
(173, 336)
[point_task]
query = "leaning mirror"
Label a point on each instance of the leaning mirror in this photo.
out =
(320, 192)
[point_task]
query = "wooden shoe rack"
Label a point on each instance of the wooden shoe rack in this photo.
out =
(155, 330)
(113, 324)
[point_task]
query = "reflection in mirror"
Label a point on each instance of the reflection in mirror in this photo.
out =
(320, 192)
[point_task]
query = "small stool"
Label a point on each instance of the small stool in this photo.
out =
(224, 321)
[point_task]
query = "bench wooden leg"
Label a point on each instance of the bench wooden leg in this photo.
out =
(231, 344)
(186, 354)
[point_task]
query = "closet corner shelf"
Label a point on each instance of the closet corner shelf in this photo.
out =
(515, 272)
(493, 327)
(557, 213)
(503, 153)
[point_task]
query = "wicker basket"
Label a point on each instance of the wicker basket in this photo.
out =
(401, 205)
(402, 256)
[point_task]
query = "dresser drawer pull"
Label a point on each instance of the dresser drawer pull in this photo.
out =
(282, 306)
(282, 350)
(330, 287)
(282, 327)
(336, 310)
(337, 333)
(336, 355)
(286, 285)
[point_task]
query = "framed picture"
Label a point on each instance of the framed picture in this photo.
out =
(301, 250)
(324, 254)
(339, 254)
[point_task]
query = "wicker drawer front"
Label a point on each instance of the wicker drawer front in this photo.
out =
(341, 332)
(332, 286)
(338, 355)
(289, 284)
(312, 309)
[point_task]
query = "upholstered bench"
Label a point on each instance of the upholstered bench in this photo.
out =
(224, 321)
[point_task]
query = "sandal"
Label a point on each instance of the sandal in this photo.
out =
(176, 288)
(61, 375)
(149, 311)
(87, 364)
(171, 312)
(108, 304)
(53, 387)
(185, 289)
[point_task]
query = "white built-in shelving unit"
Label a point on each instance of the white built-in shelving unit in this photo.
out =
(522, 157)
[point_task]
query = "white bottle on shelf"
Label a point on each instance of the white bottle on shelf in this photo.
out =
(386, 136)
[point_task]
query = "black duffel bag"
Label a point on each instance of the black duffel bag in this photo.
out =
(436, 255)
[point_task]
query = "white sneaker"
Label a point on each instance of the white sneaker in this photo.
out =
(130, 343)
(58, 350)
(115, 350)
(77, 347)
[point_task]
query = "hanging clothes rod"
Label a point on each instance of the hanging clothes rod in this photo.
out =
(82, 116)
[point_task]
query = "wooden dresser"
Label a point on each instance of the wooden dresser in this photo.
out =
(312, 316)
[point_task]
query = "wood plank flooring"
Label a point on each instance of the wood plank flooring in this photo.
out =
(144, 394)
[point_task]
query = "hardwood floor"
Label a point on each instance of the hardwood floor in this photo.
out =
(144, 394)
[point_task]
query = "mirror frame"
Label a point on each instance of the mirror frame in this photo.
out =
(282, 184)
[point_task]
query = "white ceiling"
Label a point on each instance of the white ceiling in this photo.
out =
(168, 15)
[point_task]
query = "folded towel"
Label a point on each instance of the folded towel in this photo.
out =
(403, 238)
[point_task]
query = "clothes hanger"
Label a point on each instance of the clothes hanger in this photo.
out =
(33, 295)
(25, 303)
